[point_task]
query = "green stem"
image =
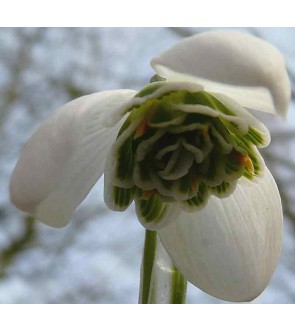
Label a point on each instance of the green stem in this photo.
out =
(149, 252)
(161, 282)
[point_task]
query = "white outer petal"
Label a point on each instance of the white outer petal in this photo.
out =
(231, 247)
(243, 67)
(66, 156)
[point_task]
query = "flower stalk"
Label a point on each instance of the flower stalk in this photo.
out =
(160, 282)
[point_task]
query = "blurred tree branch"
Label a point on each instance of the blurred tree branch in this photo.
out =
(18, 245)
(17, 66)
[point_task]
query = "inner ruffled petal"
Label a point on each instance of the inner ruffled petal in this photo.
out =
(183, 146)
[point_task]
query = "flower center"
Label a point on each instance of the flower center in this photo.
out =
(181, 144)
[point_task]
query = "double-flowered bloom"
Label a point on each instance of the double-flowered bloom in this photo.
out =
(185, 150)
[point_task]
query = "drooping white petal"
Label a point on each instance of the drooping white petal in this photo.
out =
(66, 156)
(243, 67)
(231, 247)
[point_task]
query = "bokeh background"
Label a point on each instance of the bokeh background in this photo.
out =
(96, 259)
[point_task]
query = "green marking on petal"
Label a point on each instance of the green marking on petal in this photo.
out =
(224, 189)
(187, 186)
(142, 176)
(212, 169)
(149, 89)
(178, 165)
(206, 99)
(125, 160)
(218, 105)
(123, 197)
(163, 116)
(164, 187)
(255, 137)
(150, 209)
(134, 117)
(199, 200)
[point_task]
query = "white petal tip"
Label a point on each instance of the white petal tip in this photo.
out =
(65, 157)
(55, 211)
(243, 67)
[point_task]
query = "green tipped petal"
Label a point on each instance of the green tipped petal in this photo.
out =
(123, 197)
(150, 210)
(180, 144)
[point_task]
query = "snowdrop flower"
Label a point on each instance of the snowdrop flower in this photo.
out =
(185, 150)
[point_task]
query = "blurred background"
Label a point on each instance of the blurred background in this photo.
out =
(96, 259)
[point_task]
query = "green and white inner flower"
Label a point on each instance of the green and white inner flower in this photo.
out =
(185, 149)
(181, 144)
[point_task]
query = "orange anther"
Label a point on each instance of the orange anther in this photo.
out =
(244, 160)
(194, 185)
(143, 126)
(148, 193)
(249, 165)
(141, 129)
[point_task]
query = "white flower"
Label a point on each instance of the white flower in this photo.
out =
(185, 150)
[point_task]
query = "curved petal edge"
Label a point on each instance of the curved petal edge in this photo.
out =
(231, 248)
(241, 66)
(65, 157)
